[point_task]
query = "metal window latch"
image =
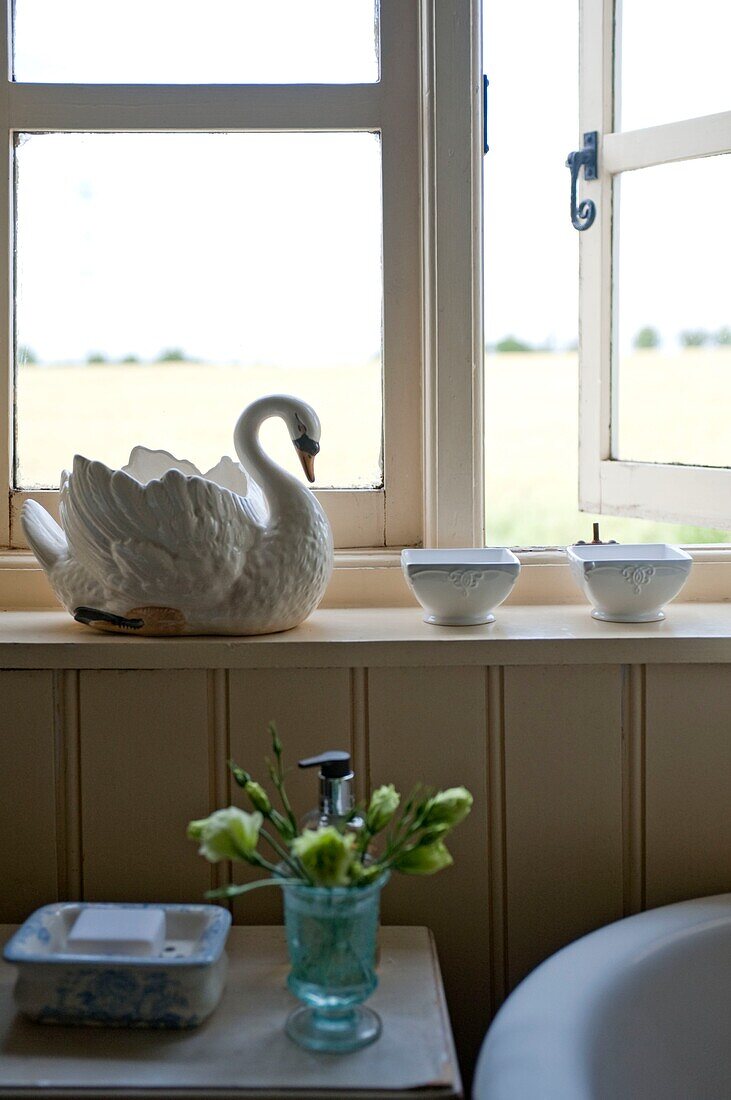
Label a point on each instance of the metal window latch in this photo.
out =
(583, 214)
(485, 86)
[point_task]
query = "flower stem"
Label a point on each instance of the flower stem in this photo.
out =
(234, 891)
(364, 840)
(280, 852)
(259, 861)
(278, 776)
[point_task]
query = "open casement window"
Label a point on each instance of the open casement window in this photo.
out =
(662, 216)
(69, 110)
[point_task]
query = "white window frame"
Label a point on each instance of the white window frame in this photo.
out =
(454, 352)
(432, 477)
(660, 491)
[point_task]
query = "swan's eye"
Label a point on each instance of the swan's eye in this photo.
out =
(307, 445)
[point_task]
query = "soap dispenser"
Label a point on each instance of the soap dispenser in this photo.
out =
(336, 792)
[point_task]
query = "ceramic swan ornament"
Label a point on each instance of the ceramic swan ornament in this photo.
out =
(159, 548)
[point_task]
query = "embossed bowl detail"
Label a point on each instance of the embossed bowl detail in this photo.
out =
(629, 583)
(176, 989)
(460, 587)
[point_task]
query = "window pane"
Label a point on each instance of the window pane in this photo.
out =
(184, 41)
(674, 350)
(674, 61)
(531, 288)
(166, 280)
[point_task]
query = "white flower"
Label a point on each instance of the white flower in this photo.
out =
(448, 807)
(326, 855)
(227, 834)
(383, 805)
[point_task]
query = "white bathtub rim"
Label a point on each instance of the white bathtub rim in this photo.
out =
(543, 1031)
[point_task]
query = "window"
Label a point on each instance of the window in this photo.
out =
(532, 283)
(654, 434)
(192, 223)
(202, 214)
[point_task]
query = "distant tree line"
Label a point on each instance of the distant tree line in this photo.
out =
(27, 357)
(510, 344)
(649, 337)
(167, 355)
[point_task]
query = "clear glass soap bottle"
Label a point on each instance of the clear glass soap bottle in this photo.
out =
(337, 799)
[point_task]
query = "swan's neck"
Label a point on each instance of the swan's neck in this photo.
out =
(285, 495)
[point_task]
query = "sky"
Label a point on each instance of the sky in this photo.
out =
(253, 248)
(673, 273)
(256, 248)
(266, 248)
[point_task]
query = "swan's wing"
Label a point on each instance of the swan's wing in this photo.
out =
(232, 475)
(144, 464)
(175, 538)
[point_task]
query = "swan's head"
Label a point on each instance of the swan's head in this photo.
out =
(305, 431)
(302, 422)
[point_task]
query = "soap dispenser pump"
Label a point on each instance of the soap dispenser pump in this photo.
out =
(337, 799)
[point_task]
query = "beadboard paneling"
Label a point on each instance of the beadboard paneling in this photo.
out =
(608, 785)
(144, 775)
(429, 724)
(688, 782)
(313, 712)
(28, 797)
(563, 798)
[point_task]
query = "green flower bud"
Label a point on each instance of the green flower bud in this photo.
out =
(242, 777)
(448, 807)
(227, 834)
(284, 827)
(383, 805)
(195, 828)
(364, 876)
(259, 797)
(326, 855)
(276, 743)
(424, 859)
(432, 834)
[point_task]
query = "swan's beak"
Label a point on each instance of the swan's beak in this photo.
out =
(308, 465)
(306, 450)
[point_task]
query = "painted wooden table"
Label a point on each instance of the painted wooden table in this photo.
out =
(242, 1051)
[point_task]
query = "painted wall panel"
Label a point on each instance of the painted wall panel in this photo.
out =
(28, 857)
(688, 782)
(563, 799)
(313, 712)
(609, 789)
(144, 774)
(429, 725)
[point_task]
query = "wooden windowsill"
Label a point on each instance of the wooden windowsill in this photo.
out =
(352, 637)
(373, 579)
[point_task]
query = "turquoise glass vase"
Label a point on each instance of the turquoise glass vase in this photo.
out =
(332, 936)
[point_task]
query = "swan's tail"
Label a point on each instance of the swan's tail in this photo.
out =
(46, 538)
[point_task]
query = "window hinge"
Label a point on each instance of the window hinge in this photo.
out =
(485, 86)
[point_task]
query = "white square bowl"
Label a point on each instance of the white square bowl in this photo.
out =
(629, 583)
(178, 988)
(460, 587)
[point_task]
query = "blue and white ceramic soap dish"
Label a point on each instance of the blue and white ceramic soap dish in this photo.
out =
(177, 988)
